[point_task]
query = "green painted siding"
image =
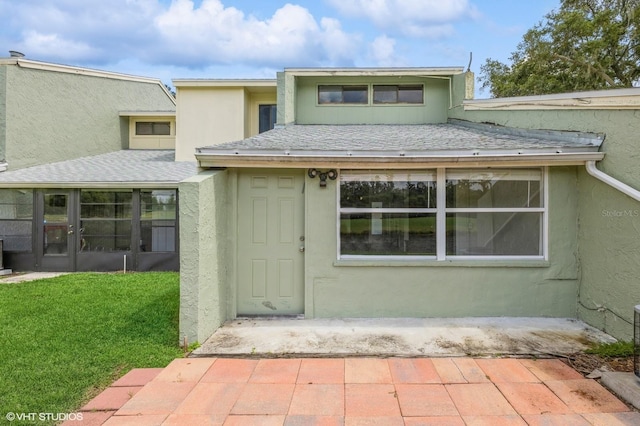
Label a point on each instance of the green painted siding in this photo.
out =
(609, 221)
(441, 289)
(204, 255)
(56, 116)
(434, 109)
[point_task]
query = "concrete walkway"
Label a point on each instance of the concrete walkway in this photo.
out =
(401, 337)
(29, 276)
(357, 391)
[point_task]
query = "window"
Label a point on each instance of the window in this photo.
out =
(267, 115)
(158, 220)
(153, 128)
(343, 95)
(388, 213)
(495, 213)
(481, 213)
(16, 224)
(105, 220)
(398, 94)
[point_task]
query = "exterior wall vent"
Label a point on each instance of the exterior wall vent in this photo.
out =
(636, 341)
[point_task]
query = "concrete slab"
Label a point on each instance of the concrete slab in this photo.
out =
(29, 276)
(433, 337)
(625, 385)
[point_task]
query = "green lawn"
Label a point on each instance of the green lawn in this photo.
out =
(65, 339)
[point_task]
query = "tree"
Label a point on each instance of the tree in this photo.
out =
(585, 45)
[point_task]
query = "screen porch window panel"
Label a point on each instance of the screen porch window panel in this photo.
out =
(105, 220)
(16, 219)
(158, 220)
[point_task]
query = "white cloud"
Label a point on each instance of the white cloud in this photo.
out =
(212, 32)
(180, 33)
(39, 45)
(415, 18)
(383, 52)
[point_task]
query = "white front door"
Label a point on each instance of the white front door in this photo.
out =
(270, 242)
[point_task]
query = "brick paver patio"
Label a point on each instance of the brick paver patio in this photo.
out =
(357, 391)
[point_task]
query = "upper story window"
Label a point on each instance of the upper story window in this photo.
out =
(153, 128)
(343, 94)
(398, 94)
(267, 115)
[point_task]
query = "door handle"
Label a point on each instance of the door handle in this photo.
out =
(301, 249)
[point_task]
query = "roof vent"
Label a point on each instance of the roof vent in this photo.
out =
(16, 54)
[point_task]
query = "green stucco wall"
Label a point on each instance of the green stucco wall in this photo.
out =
(54, 116)
(286, 98)
(608, 220)
(3, 111)
(433, 111)
(204, 258)
(441, 289)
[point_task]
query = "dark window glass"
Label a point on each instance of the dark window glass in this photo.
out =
(494, 234)
(343, 94)
(155, 128)
(267, 117)
(388, 234)
(105, 220)
(398, 94)
(158, 220)
(16, 225)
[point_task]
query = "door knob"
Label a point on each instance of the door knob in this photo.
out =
(301, 249)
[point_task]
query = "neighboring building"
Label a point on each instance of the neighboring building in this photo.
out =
(91, 164)
(90, 180)
(389, 193)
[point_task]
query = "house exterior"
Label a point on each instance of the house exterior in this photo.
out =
(91, 161)
(327, 193)
(391, 193)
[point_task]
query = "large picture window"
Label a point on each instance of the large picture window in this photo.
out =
(16, 219)
(442, 214)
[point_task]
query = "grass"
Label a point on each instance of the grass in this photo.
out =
(612, 350)
(65, 339)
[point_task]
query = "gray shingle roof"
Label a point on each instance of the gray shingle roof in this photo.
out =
(453, 136)
(119, 167)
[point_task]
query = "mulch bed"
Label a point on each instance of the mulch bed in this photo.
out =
(586, 363)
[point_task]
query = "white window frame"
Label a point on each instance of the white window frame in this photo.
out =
(441, 211)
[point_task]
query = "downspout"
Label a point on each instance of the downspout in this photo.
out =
(622, 187)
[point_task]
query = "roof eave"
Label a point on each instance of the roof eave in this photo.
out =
(357, 72)
(397, 162)
(89, 185)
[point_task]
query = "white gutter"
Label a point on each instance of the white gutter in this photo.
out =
(622, 187)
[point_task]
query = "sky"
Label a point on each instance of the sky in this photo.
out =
(169, 39)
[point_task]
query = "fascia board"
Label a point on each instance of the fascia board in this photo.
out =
(413, 162)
